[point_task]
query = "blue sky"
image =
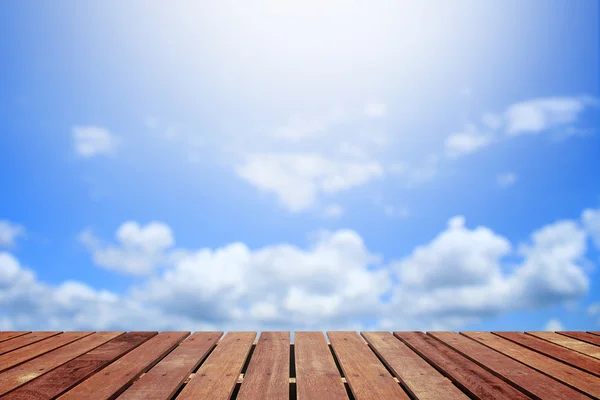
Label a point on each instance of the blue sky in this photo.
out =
(379, 165)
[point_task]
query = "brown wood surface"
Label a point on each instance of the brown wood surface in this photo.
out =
(422, 380)
(268, 373)
(571, 376)
(21, 374)
(581, 361)
(469, 376)
(24, 340)
(527, 379)
(9, 335)
(61, 379)
(595, 333)
(584, 337)
(317, 377)
(216, 378)
(112, 380)
(166, 377)
(570, 343)
(366, 376)
(23, 354)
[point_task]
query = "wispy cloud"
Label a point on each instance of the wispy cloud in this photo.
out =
(506, 180)
(9, 232)
(91, 141)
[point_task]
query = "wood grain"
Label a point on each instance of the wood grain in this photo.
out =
(23, 354)
(24, 340)
(9, 335)
(467, 375)
(317, 377)
(527, 379)
(61, 379)
(268, 373)
(422, 380)
(584, 337)
(216, 378)
(166, 377)
(569, 343)
(581, 361)
(112, 380)
(366, 376)
(21, 374)
(573, 377)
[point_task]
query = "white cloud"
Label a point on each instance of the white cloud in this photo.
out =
(461, 276)
(375, 110)
(536, 115)
(334, 211)
(466, 142)
(395, 212)
(140, 248)
(506, 180)
(492, 121)
(554, 325)
(298, 178)
(591, 222)
(593, 309)
(9, 232)
(90, 141)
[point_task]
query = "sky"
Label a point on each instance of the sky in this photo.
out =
(266, 165)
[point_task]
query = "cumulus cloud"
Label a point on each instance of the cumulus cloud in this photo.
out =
(466, 142)
(506, 180)
(462, 275)
(298, 178)
(9, 232)
(554, 325)
(536, 115)
(91, 141)
(139, 251)
(334, 211)
(375, 109)
(591, 222)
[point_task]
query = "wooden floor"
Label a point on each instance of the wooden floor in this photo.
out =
(343, 365)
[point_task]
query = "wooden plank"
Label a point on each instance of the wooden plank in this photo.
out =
(595, 333)
(112, 380)
(61, 379)
(584, 337)
(317, 377)
(216, 378)
(526, 379)
(268, 373)
(366, 376)
(21, 374)
(578, 360)
(569, 343)
(24, 340)
(573, 377)
(166, 377)
(9, 335)
(467, 375)
(421, 380)
(23, 354)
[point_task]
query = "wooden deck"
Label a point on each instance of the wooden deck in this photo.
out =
(347, 365)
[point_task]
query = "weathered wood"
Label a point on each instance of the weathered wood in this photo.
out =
(573, 377)
(23, 354)
(584, 337)
(216, 378)
(166, 377)
(467, 375)
(9, 335)
(112, 380)
(61, 379)
(268, 373)
(24, 340)
(581, 361)
(569, 343)
(21, 374)
(317, 377)
(525, 378)
(422, 380)
(366, 376)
